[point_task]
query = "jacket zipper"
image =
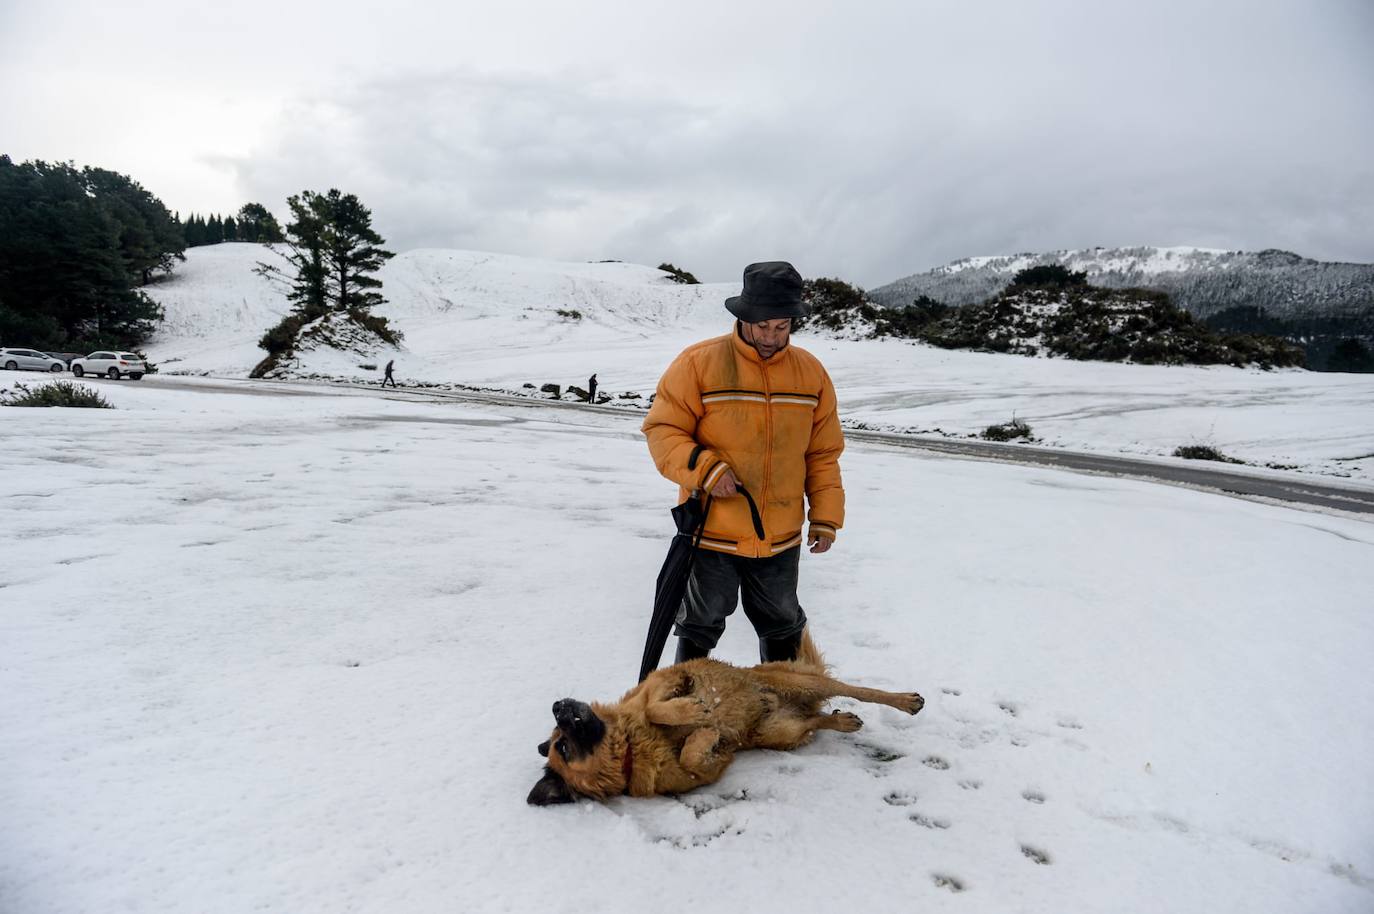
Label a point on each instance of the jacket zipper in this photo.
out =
(768, 459)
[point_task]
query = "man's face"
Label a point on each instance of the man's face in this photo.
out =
(767, 336)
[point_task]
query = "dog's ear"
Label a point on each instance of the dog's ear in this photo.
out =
(551, 789)
(544, 749)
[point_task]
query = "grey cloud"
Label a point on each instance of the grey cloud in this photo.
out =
(861, 185)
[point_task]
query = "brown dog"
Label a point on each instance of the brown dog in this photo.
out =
(681, 727)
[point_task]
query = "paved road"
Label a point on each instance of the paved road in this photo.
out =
(1290, 488)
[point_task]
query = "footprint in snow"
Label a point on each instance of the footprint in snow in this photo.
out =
(1035, 855)
(944, 881)
(934, 761)
(880, 754)
(1033, 796)
(928, 821)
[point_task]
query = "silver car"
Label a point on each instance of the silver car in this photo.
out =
(113, 365)
(30, 359)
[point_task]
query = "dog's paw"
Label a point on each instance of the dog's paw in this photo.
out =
(699, 715)
(911, 702)
(845, 721)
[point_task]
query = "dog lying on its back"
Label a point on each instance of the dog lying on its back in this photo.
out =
(681, 727)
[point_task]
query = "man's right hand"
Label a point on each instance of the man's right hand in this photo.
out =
(726, 486)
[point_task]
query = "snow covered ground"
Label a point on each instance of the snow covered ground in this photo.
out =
(490, 320)
(295, 653)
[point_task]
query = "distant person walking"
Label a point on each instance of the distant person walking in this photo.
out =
(591, 389)
(389, 366)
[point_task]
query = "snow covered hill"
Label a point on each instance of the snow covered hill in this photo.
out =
(451, 305)
(494, 321)
(1202, 281)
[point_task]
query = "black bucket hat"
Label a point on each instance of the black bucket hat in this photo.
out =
(772, 290)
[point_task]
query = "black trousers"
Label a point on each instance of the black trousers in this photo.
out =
(769, 588)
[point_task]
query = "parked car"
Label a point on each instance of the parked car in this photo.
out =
(113, 365)
(31, 359)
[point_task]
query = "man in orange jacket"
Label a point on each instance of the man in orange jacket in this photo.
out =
(751, 420)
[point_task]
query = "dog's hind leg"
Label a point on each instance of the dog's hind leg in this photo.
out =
(800, 685)
(786, 729)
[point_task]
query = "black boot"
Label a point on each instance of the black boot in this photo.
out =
(779, 648)
(687, 649)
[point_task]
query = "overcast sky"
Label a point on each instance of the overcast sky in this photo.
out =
(865, 140)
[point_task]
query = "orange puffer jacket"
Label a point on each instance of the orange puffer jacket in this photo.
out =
(774, 423)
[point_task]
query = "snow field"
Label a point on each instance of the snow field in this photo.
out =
(295, 652)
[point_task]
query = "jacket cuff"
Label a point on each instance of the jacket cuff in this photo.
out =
(819, 528)
(713, 473)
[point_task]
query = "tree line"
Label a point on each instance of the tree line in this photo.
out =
(78, 244)
(252, 223)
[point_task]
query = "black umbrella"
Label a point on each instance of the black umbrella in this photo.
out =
(690, 518)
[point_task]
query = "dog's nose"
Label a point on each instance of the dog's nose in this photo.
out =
(569, 711)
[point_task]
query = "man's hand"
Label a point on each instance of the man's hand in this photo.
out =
(820, 543)
(726, 486)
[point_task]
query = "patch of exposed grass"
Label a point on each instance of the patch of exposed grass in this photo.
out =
(1203, 452)
(58, 393)
(1008, 431)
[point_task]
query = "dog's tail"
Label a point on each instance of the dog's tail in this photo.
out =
(808, 654)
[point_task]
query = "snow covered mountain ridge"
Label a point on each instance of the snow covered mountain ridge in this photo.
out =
(1202, 281)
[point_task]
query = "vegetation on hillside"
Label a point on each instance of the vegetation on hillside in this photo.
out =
(76, 245)
(1333, 342)
(1050, 310)
(1317, 305)
(679, 275)
(332, 253)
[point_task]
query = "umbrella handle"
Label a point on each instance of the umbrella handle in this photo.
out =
(753, 510)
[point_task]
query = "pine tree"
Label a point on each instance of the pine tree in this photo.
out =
(333, 251)
(353, 253)
(304, 255)
(331, 254)
(257, 224)
(231, 229)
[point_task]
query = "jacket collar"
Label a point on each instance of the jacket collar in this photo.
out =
(752, 354)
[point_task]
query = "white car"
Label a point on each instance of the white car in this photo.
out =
(113, 365)
(31, 359)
